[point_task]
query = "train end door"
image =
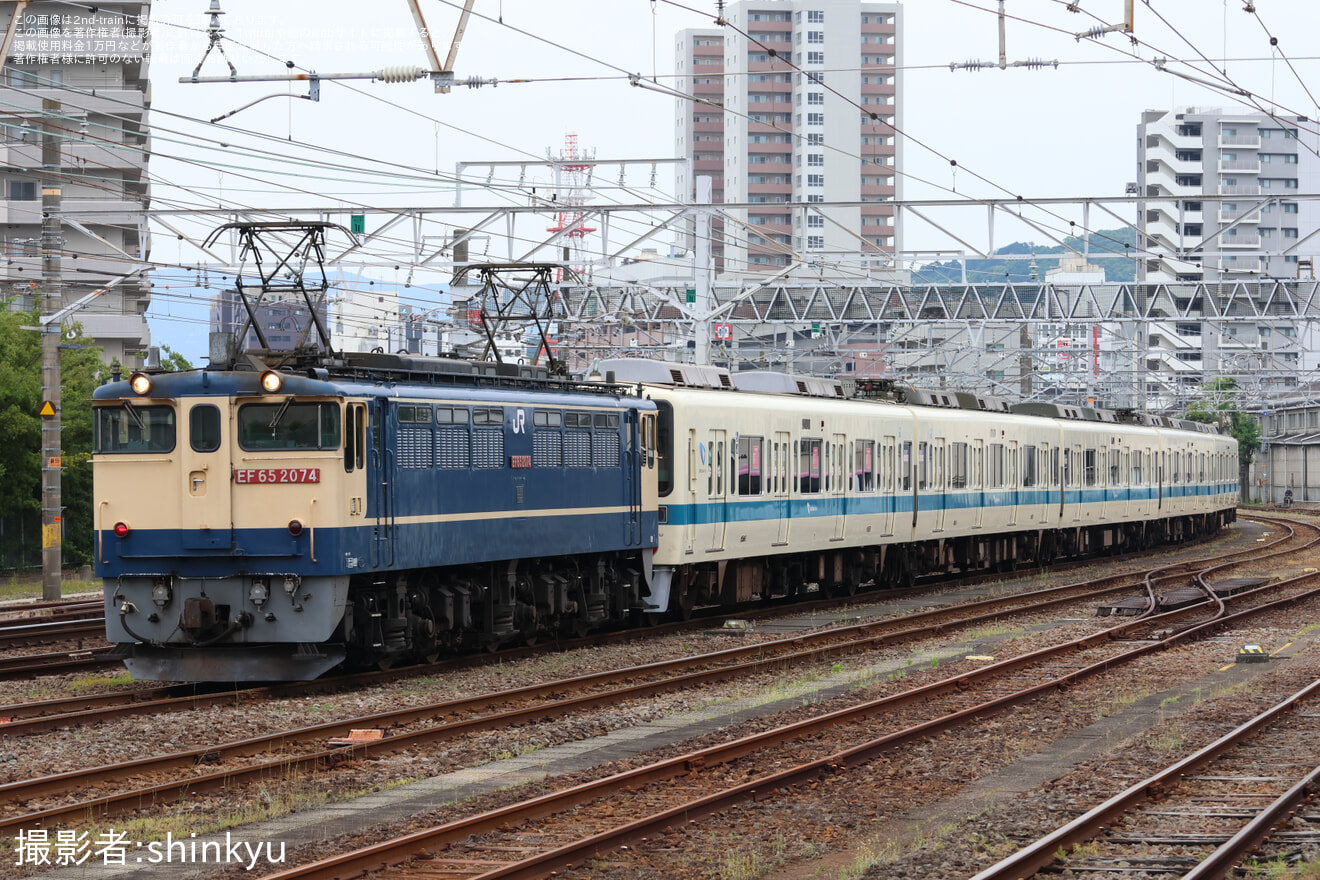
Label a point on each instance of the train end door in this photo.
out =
(206, 514)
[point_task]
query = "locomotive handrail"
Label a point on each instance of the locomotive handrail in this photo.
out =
(311, 528)
(100, 532)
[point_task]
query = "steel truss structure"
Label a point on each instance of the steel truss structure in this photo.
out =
(1001, 338)
(828, 313)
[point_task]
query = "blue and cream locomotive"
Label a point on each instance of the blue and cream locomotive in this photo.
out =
(271, 524)
(260, 525)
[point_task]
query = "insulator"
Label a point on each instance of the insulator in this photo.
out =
(474, 82)
(400, 73)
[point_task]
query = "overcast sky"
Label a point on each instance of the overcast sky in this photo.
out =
(1065, 132)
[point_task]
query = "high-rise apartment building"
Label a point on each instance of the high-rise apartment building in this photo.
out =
(805, 98)
(1220, 192)
(90, 60)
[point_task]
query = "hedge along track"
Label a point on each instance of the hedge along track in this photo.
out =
(1201, 856)
(27, 718)
(687, 788)
(957, 698)
(676, 674)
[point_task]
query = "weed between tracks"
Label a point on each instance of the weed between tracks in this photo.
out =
(1282, 868)
(100, 681)
(274, 798)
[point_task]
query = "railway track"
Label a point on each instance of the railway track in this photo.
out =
(1236, 793)
(60, 609)
(34, 717)
(566, 828)
(306, 748)
(29, 635)
(26, 666)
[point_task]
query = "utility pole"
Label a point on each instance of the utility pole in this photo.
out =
(704, 271)
(51, 244)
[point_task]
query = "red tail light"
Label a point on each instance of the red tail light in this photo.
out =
(295, 527)
(121, 530)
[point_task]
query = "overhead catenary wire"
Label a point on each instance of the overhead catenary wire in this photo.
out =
(405, 108)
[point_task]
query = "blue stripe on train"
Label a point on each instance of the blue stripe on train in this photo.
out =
(360, 548)
(760, 509)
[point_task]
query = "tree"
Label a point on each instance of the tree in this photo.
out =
(1218, 405)
(81, 371)
(173, 360)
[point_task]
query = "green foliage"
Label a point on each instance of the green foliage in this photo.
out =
(172, 360)
(1110, 249)
(1218, 404)
(1247, 432)
(81, 371)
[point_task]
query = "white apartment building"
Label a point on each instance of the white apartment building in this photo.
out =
(1221, 189)
(810, 101)
(90, 59)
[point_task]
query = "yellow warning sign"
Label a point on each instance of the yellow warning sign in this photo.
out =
(50, 535)
(47, 411)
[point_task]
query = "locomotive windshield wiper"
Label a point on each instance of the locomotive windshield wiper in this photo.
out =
(132, 413)
(279, 414)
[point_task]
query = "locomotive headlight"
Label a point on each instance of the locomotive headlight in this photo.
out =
(259, 593)
(271, 381)
(140, 383)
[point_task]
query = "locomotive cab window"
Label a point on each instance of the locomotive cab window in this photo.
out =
(130, 428)
(204, 428)
(648, 438)
(355, 437)
(288, 425)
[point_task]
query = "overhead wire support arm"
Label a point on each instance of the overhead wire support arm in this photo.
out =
(215, 33)
(1004, 64)
(1127, 26)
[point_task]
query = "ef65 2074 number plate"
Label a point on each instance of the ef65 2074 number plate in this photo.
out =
(277, 475)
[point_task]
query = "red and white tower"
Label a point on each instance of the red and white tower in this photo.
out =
(572, 170)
